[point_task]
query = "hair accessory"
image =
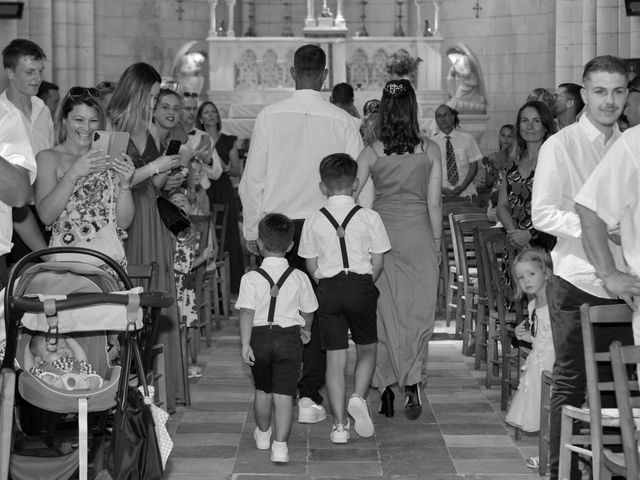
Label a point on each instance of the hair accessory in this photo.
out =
(76, 93)
(190, 94)
(394, 89)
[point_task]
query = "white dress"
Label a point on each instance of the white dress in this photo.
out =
(524, 411)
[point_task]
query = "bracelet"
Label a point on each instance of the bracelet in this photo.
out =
(155, 168)
(125, 188)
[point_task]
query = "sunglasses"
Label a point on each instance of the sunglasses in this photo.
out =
(634, 90)
(106, 85)
(76, 93)
(190, 94)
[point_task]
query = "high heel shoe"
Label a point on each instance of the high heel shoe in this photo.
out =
(412, 404)
(386, 402)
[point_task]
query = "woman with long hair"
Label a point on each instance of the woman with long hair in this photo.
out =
(80, 193)
(222, 191)
(130, 110)
(496, 161)
(534, 124)
(407, 178)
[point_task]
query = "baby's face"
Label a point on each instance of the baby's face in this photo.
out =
(181, 201)
(51, 353)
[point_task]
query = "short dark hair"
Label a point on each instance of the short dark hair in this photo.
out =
(275, 231)
(342, 93)
(45, 88)
(309, 60)
(573, 92)
(634, 83)
(20, 47)
(453, 111)
(605, 63)
(338, 170)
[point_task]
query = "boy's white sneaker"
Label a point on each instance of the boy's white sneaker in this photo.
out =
(279, 452)
(309, 411)
(263, 439)
(357, 408)
(339, 433)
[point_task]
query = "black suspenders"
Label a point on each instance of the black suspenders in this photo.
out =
(275, 289)
(340, 231)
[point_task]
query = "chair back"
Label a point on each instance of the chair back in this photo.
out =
(597, 365)
(220, 215)
(461, 225)
(624, 359)
(146, 274)
(481, 238)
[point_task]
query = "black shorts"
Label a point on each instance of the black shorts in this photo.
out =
(347, 302)
(278, 355)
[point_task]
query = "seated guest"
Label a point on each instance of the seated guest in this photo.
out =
(342, 96)
(49, 93)
(106, 90)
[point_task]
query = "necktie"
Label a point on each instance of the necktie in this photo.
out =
(452, 168)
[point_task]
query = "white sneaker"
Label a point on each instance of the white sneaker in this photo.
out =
(263, 439)
(358, 409)
(310, 412)
(279, 452)
(339, 433)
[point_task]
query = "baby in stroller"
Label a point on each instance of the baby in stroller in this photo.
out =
(62, 363)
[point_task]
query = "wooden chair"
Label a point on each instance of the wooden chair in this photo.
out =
(152, 352)
(545, 427)
(221, 281)
(625, 464)
(467, 273)
(608, 316)
(7, 394)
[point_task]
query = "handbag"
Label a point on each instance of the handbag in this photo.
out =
(173, 217)
(106, 240)
(134, 453)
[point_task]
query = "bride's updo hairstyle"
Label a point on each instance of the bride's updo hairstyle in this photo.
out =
(398, 128)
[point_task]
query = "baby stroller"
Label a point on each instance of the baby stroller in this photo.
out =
(87, 307)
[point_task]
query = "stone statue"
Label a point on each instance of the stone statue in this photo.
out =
(464, 81)
(187, 69)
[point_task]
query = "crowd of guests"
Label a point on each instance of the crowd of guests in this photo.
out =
(337, 263)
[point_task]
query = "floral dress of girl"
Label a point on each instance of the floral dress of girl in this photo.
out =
(185, 279)
(524, 411)
(90, 208)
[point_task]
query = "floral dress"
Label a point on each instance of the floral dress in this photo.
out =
(90, 208)
(185, 281)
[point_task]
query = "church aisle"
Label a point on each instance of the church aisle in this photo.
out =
(461, 433)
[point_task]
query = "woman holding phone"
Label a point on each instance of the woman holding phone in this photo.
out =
(130, 110)
(81, 193)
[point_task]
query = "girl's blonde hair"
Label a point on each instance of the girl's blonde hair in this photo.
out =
(531, 255)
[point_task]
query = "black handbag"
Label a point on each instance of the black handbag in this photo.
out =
(174, 218)
(134, 452)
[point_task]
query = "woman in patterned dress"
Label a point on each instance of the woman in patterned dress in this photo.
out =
(80, 192)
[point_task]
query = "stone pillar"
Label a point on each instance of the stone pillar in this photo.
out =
(212, 18)
(231, 5)
(340, 20)
(634, 37)
(310, 21)
(589, 14)
(338, 68)
(84, 41)
(418, 27)
(62, 23)
(436, 18)
(607, 28)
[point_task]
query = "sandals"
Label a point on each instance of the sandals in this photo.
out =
(533, 462)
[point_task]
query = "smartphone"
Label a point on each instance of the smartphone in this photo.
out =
(113, 144)
(173, 149)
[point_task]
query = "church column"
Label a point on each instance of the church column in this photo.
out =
(589, 14)
(340, 20)
(436, 18)
(231, 5)
(418, 18)
(84, 41)
(310, 21)
(63, 19)
(212, 16)
(607, 28)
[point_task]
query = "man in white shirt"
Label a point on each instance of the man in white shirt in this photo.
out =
(565, 162)
(459, 155)
(24, 63)
(289, 140)
(568, 104)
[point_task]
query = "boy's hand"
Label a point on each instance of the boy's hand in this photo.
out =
(247, 355)
(305, 336)
(522, 333)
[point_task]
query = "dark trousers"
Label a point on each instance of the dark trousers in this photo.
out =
(4, 272)
(314, 359)
(569, 374)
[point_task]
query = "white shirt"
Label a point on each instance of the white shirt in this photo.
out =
(364, 235)
(612, 193)
(565, 162)
(295, 296)
(289, 140)
(16, 149)
(39, 127)
(467, 152)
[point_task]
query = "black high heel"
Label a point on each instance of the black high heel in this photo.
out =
(412, 405)
(386, 402)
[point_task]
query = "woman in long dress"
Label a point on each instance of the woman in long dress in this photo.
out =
(407, 178)
(149, 240)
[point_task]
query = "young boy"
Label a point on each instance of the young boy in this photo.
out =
(276, 305)
(343, 245)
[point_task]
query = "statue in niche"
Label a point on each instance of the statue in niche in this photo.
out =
(188, 67)
(464, 81)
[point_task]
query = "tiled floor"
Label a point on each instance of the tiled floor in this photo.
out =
(461, 433)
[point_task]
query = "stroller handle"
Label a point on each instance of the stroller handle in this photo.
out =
(77, 300)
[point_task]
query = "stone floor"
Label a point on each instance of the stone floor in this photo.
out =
(461, 433)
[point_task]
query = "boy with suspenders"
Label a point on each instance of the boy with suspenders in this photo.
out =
(344, 246)
(276, 305)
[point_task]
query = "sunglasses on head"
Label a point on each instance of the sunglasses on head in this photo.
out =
(76, 93)
(106, 85)
(634, 90)
(190, 94)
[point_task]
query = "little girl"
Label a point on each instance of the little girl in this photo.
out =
(532, 268)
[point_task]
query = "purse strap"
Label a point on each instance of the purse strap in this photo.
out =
(131, 352)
